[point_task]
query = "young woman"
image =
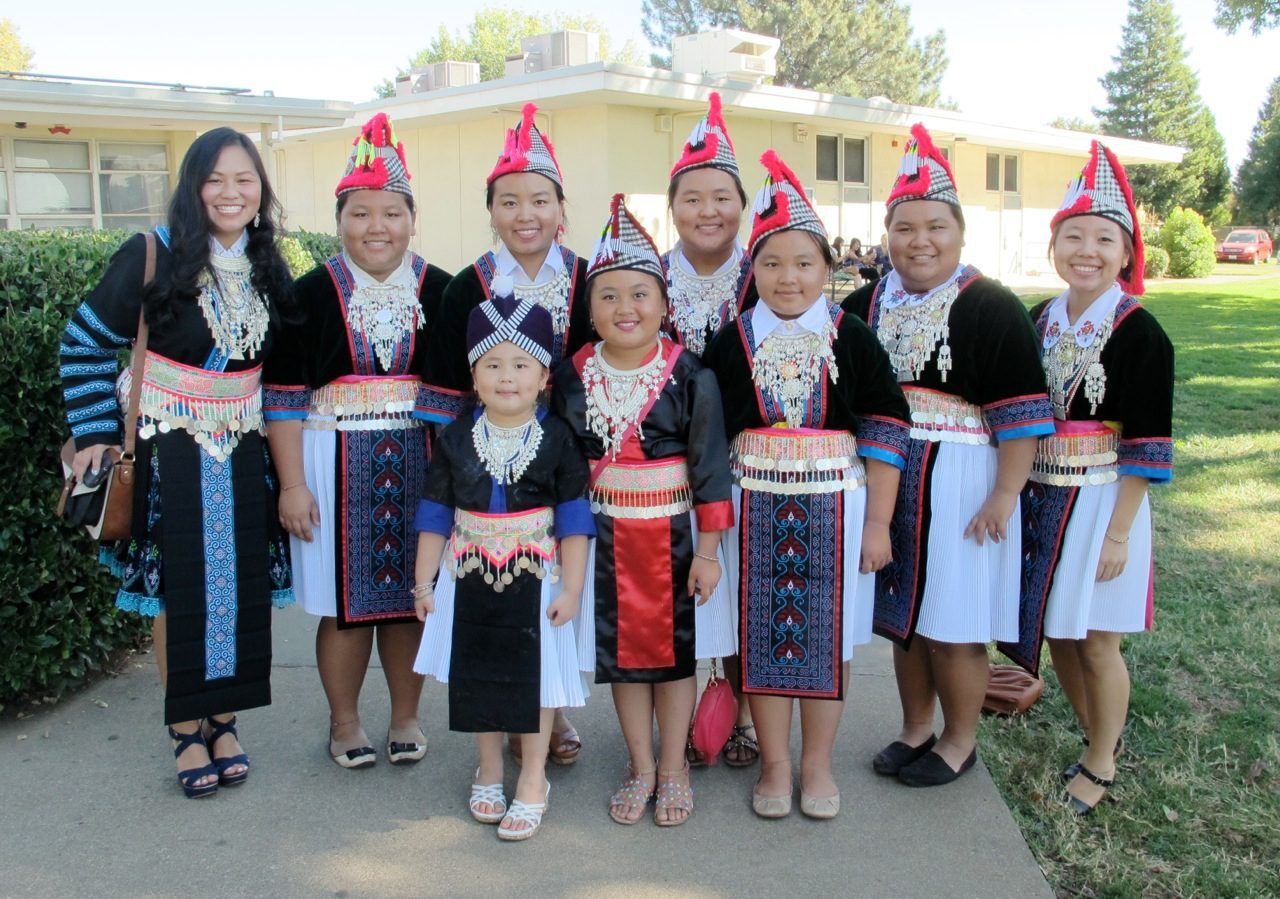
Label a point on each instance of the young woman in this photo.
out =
(648, 417)
(801, 380)
(507, 491)
(709, 284)
(351, 457)
(965, 353)
(1087, 574)
(207, 558)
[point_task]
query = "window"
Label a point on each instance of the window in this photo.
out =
(1002, 173)
(828, 158)
(855, 160)
(52, 178)
(133, 182)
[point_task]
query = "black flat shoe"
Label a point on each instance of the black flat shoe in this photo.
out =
(897, 755)
(1079, 807)
(931, 770)
(1073, 769)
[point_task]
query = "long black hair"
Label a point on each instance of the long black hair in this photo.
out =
(189, 233)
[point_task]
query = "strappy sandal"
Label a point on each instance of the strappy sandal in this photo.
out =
(1073, 769)
(672, 796)
(219, 729)
(491, 794)
(746, 748)
(635, 792)
(560, 739)
(693, 758)
(530, 813)
(1078, 806)
(188, 776)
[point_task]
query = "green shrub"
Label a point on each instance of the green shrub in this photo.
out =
(297, 257)
(58, 621)
(1157, 262)
(1189, 243)
(320, 246)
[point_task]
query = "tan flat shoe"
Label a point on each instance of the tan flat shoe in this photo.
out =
(771, 806)
(819, 807)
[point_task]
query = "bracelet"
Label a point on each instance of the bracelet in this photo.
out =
(706, 558)
(423, 588)
(1116, 539)
(291, 486)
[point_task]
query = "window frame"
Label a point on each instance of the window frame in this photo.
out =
(841, 140)
(1002, 158)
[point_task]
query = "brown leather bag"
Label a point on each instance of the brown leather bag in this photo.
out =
(103, 505)
(1011, 690)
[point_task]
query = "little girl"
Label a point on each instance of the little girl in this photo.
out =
(649, 419)
(506, 485)
(801, 380)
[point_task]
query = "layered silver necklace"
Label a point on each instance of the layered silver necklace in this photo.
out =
(234, 311)
(912, 326)
(506, 452)
(696, 303)
(385, 314)
(615, 398)
(788, 367)
(552, 296)
(1073, 359)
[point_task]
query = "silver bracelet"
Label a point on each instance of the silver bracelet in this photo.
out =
(706, 558)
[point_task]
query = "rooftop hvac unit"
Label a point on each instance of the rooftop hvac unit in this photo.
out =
(554, 51)
(726, 53)
(437, 76)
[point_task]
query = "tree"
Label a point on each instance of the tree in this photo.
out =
(1152, 94)
(15, 56)
(1075, 123)
(1258, 179)
(1259, 14)
(860, 48)
(495, 33)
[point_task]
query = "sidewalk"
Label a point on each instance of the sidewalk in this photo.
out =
(92, 806)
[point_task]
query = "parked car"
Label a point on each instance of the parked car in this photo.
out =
(1245, 245)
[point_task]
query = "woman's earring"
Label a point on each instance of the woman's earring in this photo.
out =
(257, 219)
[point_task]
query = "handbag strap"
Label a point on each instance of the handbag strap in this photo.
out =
(139, 354)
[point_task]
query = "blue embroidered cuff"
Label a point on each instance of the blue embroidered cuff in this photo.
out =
(283, 402)
(433, 517)
(1033, 429)
(574, 519)
(1019, 416)
(439, 404)
(1150, 458)
(870, 451)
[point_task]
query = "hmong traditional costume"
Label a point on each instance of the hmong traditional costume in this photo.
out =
(207, 549)
(489, 637)
(351, 372)
(966, 356)
(559, 287)
(1110, 379)
(805, 400)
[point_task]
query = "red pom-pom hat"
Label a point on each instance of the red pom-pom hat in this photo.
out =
(781, 205)
(924, 173)
(625, 243)
(1102, 188)
(526, 150)
(709, 145)
(376, 161)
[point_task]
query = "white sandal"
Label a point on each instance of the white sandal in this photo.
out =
(491, 794)
(530, 813)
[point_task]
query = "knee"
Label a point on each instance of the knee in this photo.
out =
(1098, 654)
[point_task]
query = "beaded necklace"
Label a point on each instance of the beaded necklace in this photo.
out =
(506, 452)
(615, 398)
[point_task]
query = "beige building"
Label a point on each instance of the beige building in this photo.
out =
(621, 128)
(84, 153)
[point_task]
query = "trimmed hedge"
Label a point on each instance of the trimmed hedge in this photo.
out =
(1157, 262)
(320, 246)
(1189, 243)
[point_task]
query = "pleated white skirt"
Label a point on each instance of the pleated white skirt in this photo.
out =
(859, 590)
(562, 684)
(315, 563)
(971, 592)
(1078, 603)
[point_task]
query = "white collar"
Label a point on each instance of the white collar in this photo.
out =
(896, 294)
(236, 249)
(764, 322)
(1086, 327)
(731, 264)
(401, 277)
(552, 266)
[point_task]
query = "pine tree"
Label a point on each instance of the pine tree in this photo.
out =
(1152, 94)
(860, 48)
(1259, 14)
(1258, 179)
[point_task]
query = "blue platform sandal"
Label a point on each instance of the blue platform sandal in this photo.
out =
(189, 777)
(220, 729)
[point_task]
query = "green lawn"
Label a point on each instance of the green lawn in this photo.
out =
(1197, 808)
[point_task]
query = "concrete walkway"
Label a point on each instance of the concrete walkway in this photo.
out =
(91, 806)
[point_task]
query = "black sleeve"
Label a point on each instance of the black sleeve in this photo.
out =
(872, 393)
(1144, 378)
(726, 359)
(580, 332)
(445, 373)
(859, 302)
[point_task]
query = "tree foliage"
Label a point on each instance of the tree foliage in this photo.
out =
(1258, 178)
(15, 56)
(1258, 14)
(1075, 123)
(495, 33)
(860, 48)
(1152, 94)
(1189, 243)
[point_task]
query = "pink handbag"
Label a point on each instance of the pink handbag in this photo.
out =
(713, 720)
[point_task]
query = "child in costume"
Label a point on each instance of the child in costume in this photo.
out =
(506, 495)
(1086, 522)
(648, 417)
(819, 431)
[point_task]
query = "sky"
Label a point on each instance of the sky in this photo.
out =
(1052, 54)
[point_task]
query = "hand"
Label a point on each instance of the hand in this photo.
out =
(992, 519)
(877, 551)
(704, 574)
(298, 511)
(564, 609)
(1113, 559)
(424, 601)
(90, 459)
